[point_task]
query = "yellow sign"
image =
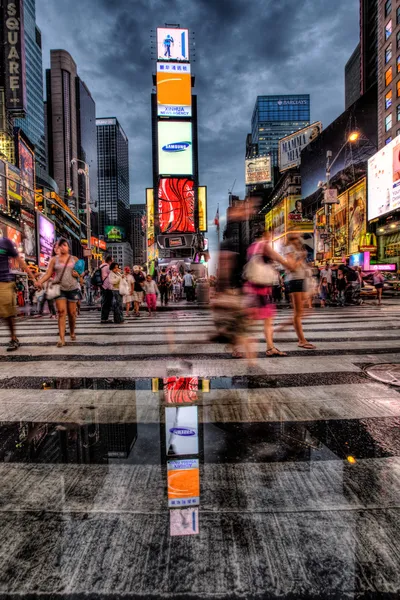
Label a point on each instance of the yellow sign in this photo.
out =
(295, 220)
(268, 222)
(278, 220)
(202, 204)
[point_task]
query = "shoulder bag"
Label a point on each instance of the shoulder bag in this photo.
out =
(54, 289)
(258, 272)
(124, 287)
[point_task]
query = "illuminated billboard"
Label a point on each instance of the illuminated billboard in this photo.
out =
(183, 482)
(295, 220)
(176, 205)
(290, 147)
(174, 90)
(14, 61)
(3, 185)
(258, 170)
(172, 44)
(384, 180)
(181, 425)
(114, 233)
(46, 238)
(175, 152)
(202, 204)
(27, 170)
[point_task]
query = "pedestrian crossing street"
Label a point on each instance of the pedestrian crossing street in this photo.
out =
(299, 460)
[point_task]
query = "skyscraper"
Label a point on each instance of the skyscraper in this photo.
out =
(369, 43)
(33, 124)
(113, 174)
(71, 130)
(352, 78)
(137, 238)
(274, 117)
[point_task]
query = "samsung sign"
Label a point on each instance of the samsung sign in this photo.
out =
(14, 57)
(175, 148)
(291, 146)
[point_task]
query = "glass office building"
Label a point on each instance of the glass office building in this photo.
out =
(33, 124)
(274, 117)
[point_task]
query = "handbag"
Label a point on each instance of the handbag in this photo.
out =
(54, 289)
(260, 273)
(124, 288)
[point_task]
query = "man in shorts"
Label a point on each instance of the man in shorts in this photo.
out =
(8, 307)
(138, 293)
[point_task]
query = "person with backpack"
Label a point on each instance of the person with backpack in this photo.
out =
(101, 279)
(164, 283)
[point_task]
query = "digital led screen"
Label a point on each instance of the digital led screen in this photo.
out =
(384, 180)
(114, 233)
(175, 152)
(27, 171)
(180, 390)
(202, 204)
(3, 186)
(181, 430)
(46, 234)
(183, 482)
(174, 90)
(176, 205)
(14, 183)
(28, 234)
(172, 44)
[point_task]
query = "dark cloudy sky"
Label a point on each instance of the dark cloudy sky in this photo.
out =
(243, 49)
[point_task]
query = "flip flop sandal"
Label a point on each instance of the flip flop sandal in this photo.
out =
(60, 344)
(307, 346)
(275, 352)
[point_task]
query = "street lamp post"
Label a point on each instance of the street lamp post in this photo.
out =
(85, 173)
(353, 137)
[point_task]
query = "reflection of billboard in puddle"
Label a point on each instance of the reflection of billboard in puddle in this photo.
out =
(180, 390)
(183, 483)
(181, 427)
(184, 521)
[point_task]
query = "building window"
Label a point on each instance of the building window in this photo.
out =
(398, 15)
(388, 7)
(398, 64)
(388, 99)
(388, 76)
(388, 29)
(398, 88)
(398, 112)
(388, 140)
(388, 53)
(388, 123)
(398, 39)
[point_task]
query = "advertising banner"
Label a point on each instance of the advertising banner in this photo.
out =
(174, 90)
(176, 205)
(29, 236)
(340, 238)
(357, 196)
(172, 44)
(295, 221)
(278, 220)
(13, 184)
(16, 238)
(181, 429)
(202, 204)
(3, 185)
(258, 170)
(320, 225)
(175, 152)
(46, 239)
(27, 171)
(268, 222)
(14, 56)
(114, 233)
(183, 482)
(384, 180)
(290, 147)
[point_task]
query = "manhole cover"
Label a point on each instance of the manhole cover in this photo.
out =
(387, 373)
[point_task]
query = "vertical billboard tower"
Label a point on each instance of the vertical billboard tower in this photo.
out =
(178, 219)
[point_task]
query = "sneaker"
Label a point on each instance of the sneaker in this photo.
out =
(13, 345)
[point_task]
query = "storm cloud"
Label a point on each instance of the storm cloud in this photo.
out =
(242, 49)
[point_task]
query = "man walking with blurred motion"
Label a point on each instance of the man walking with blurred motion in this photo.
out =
(8, 308)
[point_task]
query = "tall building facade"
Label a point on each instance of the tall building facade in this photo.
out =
(388, 71)
(352, 78)
(368, 44)
(137, 237)
(274, 117)
(33, 123)
(71, 131)
(87, 143)
(113, 174)
(62, 127)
